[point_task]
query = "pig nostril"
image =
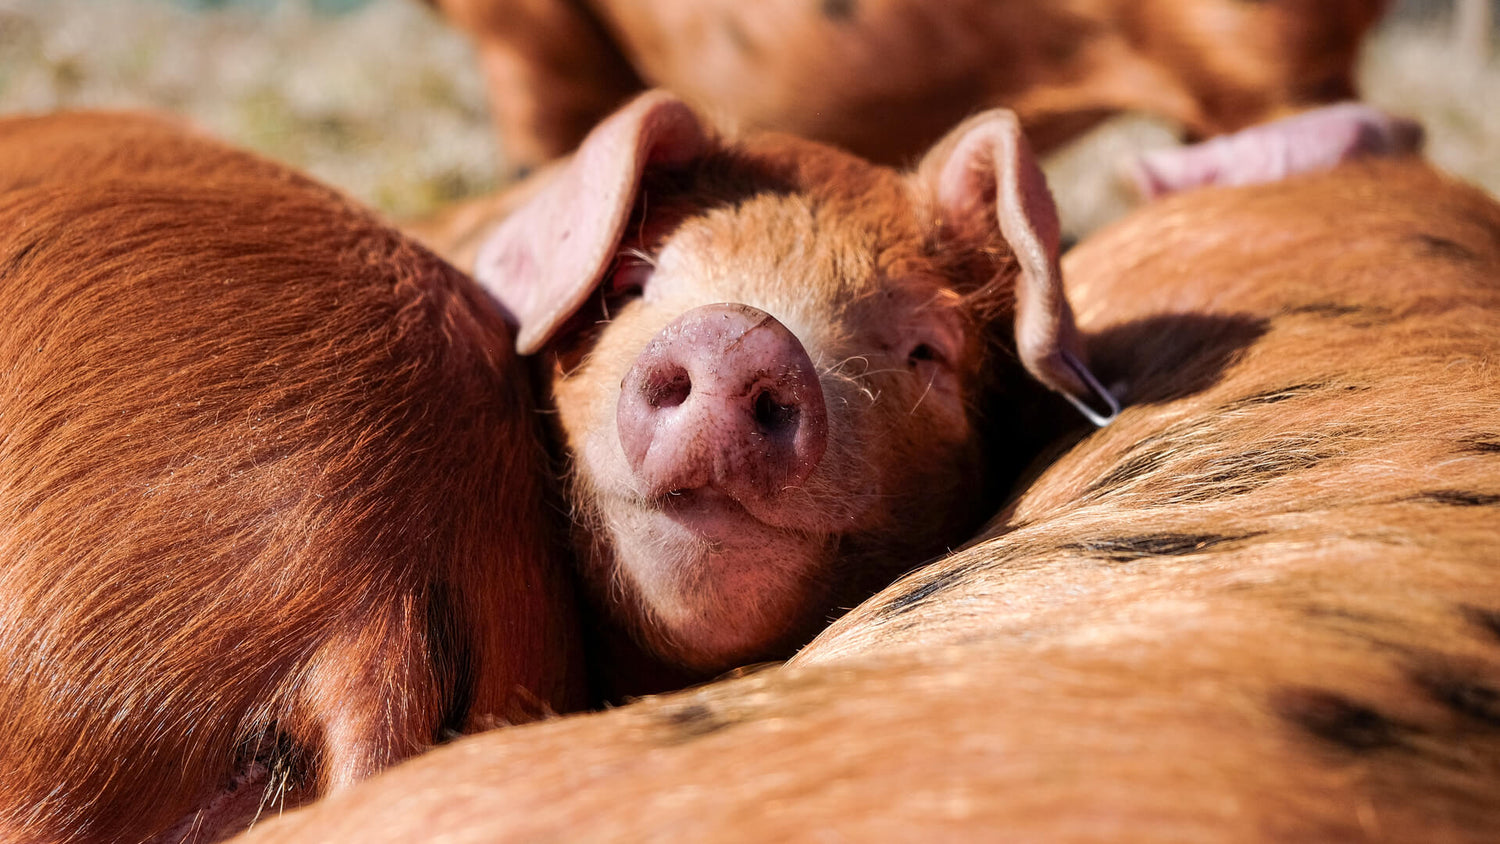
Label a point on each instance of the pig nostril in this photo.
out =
(668, 387)
(772, 416)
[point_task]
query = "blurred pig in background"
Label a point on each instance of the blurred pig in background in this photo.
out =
(885, 78)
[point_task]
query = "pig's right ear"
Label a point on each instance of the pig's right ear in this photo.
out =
(984, 170)
(547, 257)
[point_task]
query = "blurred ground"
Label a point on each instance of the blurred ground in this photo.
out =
(377, 97)
(383, 101)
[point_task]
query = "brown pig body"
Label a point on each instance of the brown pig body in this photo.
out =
(272, 497)
(782, 375)
(1262, 605)
(886, 78)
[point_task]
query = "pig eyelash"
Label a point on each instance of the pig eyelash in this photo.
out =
(627, 279)
(639, 255)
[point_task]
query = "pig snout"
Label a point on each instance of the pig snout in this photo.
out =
(723, 398)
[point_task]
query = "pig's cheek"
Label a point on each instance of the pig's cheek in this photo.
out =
(585, 405)
(844, 494)
(602, 461)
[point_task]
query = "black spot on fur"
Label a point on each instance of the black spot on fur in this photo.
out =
(1143, 458)
(1225, 476)
(690, 721)
(1294, 391)
(1457, 498)
(1335, 612)
(1482, 444)
(1332, 310)
(1338, 720)
(921, 592)
(1488, 620)
(1126, 548)
(452, 658)
(938, 578)
(1280, 394)
(837, 10)
(1247, 471)
(1465, 695)
(1441, 247)
(20, 256)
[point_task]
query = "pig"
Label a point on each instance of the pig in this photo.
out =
(275, 504)
(781, 375)
(886, 78)
(1263, 604)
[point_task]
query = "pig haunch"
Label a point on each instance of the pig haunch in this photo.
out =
(272, 502)
(1263, 605)
(783, 375)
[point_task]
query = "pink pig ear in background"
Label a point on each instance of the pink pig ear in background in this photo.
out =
(986, 163)
(546, 258)
(1310, 142)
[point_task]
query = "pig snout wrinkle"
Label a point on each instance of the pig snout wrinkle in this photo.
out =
(723, 397)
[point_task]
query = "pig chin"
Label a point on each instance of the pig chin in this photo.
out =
(716, 586)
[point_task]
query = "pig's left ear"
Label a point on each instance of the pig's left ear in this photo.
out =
(545, 259)
(985, 170)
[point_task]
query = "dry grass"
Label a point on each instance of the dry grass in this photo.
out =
(386, 103)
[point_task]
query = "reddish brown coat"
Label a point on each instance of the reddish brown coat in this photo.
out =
(272, 504)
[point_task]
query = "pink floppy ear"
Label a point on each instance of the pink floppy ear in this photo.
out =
(985, 168)
(545, 259)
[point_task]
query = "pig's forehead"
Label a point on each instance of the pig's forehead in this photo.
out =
(771, 239)
(825, 215)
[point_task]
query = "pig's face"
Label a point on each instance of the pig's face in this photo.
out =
(767, 396)
(726, 459)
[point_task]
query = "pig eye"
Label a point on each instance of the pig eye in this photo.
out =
(628, 279)
(921, 353)
(926, 356)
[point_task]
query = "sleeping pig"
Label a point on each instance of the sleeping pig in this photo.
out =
(782, 375)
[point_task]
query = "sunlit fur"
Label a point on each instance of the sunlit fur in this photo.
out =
(272, 509)
(1264, 605)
